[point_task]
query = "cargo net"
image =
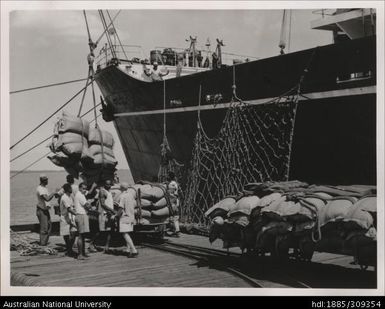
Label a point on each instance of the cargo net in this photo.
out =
(253, 145)
(168, 163)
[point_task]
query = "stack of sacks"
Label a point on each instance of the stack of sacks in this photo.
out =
(363, 214)
(154, 204)
(360, 224)
(238, 219)
(101, 167)
(334, 212)
(274, 217)
(241, 212)
(308, 215)
(250, 233)
(69, 143)
(221, 209)
(217, 214)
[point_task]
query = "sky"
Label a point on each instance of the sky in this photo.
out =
(49, 46)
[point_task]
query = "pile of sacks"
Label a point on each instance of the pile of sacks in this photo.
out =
(308, 218)
(82, 150)
(152, 203)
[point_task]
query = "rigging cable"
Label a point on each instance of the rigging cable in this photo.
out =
(34, 162)
(46, 86)
(49, 117)
(33, 147)
(101, 36)
(65, 104)
(116, 33)
(289, 39)
(107, 36)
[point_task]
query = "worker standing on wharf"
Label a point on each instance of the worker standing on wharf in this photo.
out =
(67, 221)
(107, 213)
(82, 223)
(42, 210)
(173, 191)
(126, 215)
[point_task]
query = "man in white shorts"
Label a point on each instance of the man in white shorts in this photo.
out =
(126, 215)
(82, 224)
(67, 219)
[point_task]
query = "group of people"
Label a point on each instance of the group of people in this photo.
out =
(84, 210)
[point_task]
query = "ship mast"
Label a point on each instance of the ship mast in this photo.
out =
(192, 49)
(282, 39)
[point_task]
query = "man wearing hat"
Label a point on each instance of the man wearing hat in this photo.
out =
(126, 215)
(42, 210)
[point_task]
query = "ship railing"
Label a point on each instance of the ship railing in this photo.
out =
(331, 12)
(324, 12)
(125, 53)
(231, 58)
(227, 58)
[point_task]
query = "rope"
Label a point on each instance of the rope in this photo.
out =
(49, 117)
(23, 245)
(234, 96)
(46, 86)
(121, 46)
(282, 40)
(254, 144)
(94, 100)
(164, 110)
(289, 39)
(33, 147)
(105, 30)
(101, 36)
(317, 228)
(34, 162)
(88, 29)
(19, 172)
(299, 86)
(84, 94)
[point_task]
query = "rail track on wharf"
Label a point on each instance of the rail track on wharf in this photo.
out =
(189, 261)
(228, 261)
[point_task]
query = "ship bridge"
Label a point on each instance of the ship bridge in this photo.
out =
(346, 23)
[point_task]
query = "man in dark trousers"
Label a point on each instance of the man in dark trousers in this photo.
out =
(42, 210)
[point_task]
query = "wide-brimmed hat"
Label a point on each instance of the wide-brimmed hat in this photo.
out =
(124, 186)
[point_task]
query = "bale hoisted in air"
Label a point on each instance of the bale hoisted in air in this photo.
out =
(69, 143)
(79, 148)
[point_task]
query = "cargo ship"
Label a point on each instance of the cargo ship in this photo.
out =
(334, 138)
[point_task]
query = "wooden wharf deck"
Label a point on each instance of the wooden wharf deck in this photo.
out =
(158, 268)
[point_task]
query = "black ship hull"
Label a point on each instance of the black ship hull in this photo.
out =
(335, 130)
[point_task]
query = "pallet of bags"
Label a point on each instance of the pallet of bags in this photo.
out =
(331, 222)
(69, 143)
(217, 215)
(100, 164)
(155, 204)
(257, 221)
(237, 220)
(70, 136)
(360, 225)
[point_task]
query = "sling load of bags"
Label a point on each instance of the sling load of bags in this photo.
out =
(83, 150)
(153, 205)
(274, 217)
